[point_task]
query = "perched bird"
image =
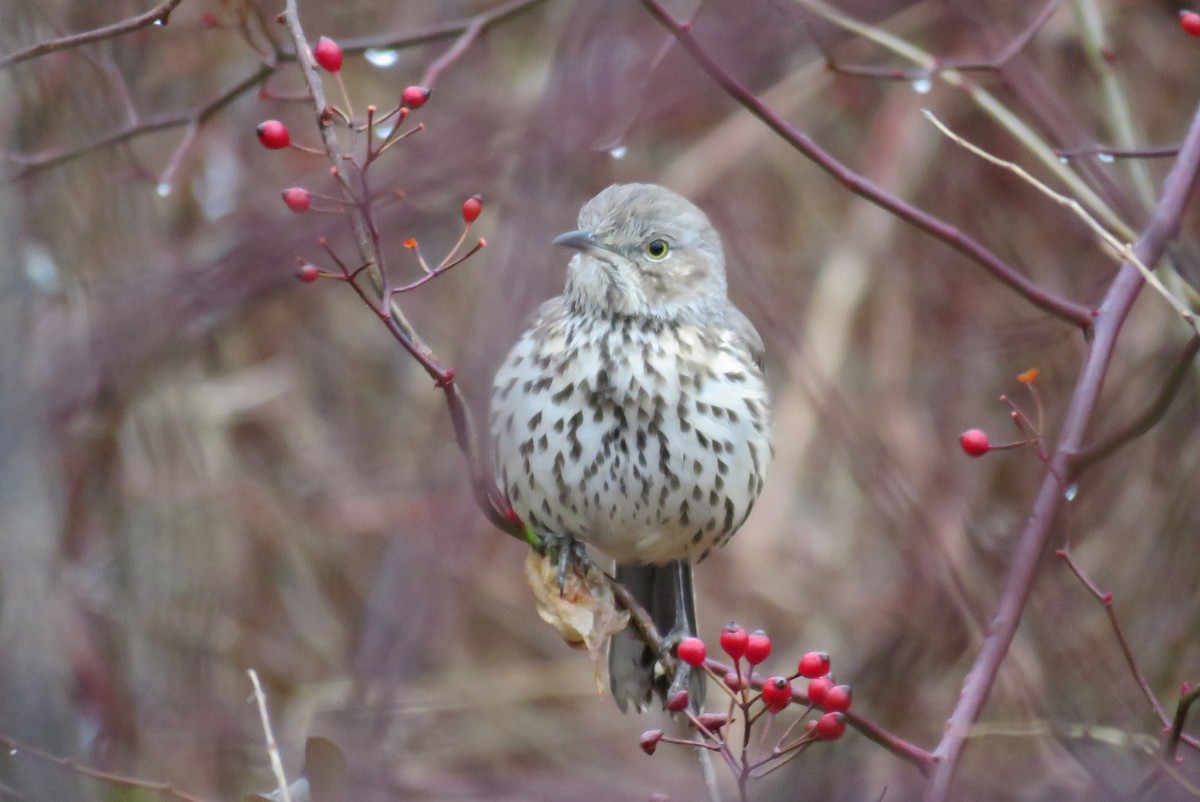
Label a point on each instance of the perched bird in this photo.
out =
(632, 413)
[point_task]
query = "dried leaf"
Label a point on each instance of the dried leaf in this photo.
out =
(584, 612)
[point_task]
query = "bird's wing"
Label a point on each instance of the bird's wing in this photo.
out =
(746, 335)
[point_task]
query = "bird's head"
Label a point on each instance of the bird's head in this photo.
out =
(645, 251)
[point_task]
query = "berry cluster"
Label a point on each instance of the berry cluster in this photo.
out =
(377, 134)
(756, 701)
(976, 443)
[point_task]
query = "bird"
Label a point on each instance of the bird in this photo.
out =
(633, 414)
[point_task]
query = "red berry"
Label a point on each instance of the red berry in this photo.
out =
(471, 208)
(830, 726)
(691, 651)
(649, 740)
(273, 135)
(713, 721)
(209, 20)
(328, 54)
(678, 701)
(813, 665)
(297, 199)
(733, 640)
(758, 647)
(818, 688)
(837, 699)
(414, 96)
(1190, 22)
(777, 693)
(308, 273)
(975, 442)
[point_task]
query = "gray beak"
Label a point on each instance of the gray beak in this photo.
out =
(579, 240)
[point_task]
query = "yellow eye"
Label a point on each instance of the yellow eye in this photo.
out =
(657, 249)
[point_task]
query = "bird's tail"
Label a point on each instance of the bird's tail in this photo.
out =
(665, 591)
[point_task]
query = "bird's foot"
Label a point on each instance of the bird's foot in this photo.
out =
(686, 677)
(571, 555)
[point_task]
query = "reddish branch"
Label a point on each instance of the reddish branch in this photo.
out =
(644, 626)
(356, 190)
(1076, 314)
(1104, 324)
(1181, 711)
(1162, 229)
(467, 30)
(17, 748)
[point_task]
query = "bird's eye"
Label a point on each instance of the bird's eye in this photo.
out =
(657, 249)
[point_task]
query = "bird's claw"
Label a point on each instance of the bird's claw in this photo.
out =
(572, 556)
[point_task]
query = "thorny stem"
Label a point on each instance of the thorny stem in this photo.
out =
(1069, 311)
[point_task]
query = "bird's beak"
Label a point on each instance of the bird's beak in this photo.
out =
(579, 240)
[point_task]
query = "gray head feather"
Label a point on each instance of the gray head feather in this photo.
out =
(646, 251)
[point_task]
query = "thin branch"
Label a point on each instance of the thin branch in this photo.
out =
(34, 163)
(16, 747)
(437, 31)
(1107, 600)
(1130, 660)
(196, 117)
(1123, 249)
(155, 16)
(1124, 289)
(488, 496)
(1069, 311)
(1181, 711)
(1160, 152)
(269, 737)
(909, 752)
(987, 102)
(993, 64)
(1149, 417)
(464, 41)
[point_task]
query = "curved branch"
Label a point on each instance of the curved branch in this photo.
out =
(358, 213)
(155, 16)
(1145, 421)
(160, 122)
(467, 29)
(1162, 229)
(1069, 311)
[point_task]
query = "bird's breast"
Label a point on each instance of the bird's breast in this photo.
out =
(646, 440)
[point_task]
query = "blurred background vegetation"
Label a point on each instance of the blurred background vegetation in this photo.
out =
(206, 466)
